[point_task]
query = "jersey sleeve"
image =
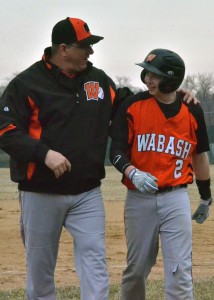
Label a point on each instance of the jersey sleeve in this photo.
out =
(122, 132)
(201, 132)
(119, 132)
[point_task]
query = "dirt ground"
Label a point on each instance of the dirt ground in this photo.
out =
(12, 257)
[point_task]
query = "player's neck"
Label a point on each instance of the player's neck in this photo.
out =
(166, 98)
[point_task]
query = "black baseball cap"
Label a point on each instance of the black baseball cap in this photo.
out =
(72, 30)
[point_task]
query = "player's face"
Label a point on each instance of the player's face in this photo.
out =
(77, 57)
(152, 82)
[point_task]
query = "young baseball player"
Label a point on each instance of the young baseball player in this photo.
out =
(158, 141)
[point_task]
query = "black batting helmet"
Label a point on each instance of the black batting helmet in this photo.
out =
(167, 64)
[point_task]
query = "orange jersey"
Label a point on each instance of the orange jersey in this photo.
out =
(159, 145)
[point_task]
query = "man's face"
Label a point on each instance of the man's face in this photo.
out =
(77, 56)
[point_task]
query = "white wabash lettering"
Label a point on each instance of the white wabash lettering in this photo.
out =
(148, 142)
(171, 146)
(186, 150)
(179, 148)
(142, 142)
(161, 141)
(151, 145)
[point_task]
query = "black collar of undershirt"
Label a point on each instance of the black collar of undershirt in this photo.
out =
(172, 109)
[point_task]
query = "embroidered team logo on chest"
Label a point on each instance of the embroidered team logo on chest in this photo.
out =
(93, 91)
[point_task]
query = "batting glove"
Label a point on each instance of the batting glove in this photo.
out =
(143, 181)
(202, 212)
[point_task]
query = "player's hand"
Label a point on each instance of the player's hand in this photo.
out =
(143, 181)
(202, 212)
(57, 163)
(188, 96)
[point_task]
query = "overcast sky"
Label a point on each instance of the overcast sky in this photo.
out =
(131, 28)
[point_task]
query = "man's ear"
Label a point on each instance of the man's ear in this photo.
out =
(63, 49)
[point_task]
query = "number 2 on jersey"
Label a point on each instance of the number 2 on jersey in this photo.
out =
(179, 164)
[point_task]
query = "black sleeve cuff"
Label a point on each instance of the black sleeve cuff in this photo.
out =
(204, 188)
(41, 153)
(118, 157)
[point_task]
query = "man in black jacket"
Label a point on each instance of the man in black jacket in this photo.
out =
(54, 125)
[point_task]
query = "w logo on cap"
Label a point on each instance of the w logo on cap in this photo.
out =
(92, 90)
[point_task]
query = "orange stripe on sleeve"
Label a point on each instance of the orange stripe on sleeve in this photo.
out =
(35, 130)
(8, 128)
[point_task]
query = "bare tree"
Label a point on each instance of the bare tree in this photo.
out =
(201, 84)
(123, 81)
(5, 82)
(190, 83)
(205, 85)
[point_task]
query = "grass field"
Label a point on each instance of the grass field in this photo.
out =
(203, 290)
(12, 262)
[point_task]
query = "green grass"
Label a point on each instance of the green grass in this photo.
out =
(203, 290)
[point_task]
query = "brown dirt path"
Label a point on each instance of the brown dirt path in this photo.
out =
(12, 261)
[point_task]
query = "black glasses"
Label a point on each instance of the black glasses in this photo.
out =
(80, 46)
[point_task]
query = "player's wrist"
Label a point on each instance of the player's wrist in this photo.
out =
(130, 171)
(206, 202)
(204, 188)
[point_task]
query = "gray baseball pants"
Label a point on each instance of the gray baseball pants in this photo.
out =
(148, 217)
(42, 219)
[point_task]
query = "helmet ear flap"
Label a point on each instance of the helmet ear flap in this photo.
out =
(168, 86)
(142, 76)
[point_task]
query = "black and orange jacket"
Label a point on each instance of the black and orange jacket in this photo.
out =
(44, 109)
(158, 138)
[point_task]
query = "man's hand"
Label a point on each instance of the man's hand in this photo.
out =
(188, 96)
(57, 163)
(143, 181)
(202, 212)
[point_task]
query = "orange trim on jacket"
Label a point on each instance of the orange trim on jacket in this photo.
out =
(35, 130)
(8, 128)
(113, 94)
